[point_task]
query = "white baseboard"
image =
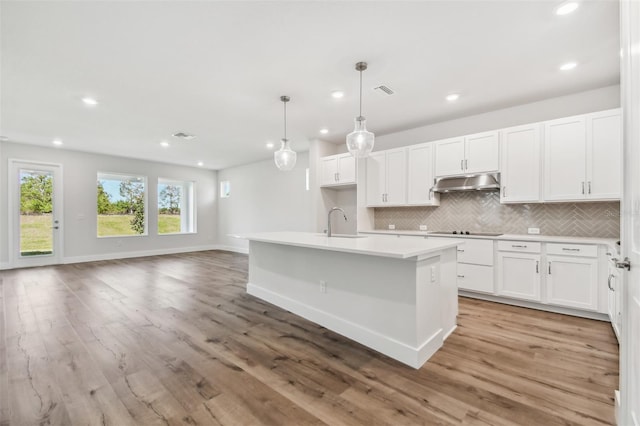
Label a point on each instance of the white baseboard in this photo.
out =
(539, 306)
(4, 265)
(413, 357)
(142, 253)
(242, 250)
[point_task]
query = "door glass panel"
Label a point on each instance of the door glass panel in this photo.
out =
(36, 213)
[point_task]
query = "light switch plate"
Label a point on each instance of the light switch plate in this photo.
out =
(392, 227)
(423, 227)
(535, 231)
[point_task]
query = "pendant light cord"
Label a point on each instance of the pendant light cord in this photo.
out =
(285, 120)
(360, 94)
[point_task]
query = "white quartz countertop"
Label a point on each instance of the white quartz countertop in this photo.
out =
(509, 237)
(400, 248)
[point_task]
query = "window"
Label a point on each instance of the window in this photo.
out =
(176, 207)
(225, 189)
(122, 205)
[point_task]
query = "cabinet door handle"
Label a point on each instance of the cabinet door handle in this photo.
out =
(466, 164)
(383, 198)
(461, 164)
(589, 187)
(338, 177)
(549, 268)
(430, 193)
(609, 282)
(537, 266)
(583, 188)
(504, 191)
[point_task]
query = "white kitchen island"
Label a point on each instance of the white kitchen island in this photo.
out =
(397, 296)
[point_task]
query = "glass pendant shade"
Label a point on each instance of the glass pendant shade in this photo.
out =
(285, 157)
(360, 141)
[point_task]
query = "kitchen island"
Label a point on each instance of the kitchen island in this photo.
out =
(396, 296)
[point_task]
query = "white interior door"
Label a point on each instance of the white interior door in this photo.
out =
(629, 412)
(35, 206)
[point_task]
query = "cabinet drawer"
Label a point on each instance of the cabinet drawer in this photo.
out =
(477, 252)
(573, 250)
(475, 278)
(519, 246)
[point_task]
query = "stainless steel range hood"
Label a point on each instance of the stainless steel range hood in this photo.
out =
(479, 182)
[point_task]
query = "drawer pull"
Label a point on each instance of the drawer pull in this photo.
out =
(518, 246)
(609, 282)
(460, 250)
(570, 249)
(460, 276)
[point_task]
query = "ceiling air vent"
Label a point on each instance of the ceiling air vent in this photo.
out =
(384, 90)
(183, 135)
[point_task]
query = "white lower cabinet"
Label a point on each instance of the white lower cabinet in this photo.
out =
(475, 265)
(572, 282)
(519, 275)
(614, 288)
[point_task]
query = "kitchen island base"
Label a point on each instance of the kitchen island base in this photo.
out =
(401, 307)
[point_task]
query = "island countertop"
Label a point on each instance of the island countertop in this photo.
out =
(395, 248)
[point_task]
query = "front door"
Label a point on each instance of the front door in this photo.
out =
(630, 90)
(36, 213)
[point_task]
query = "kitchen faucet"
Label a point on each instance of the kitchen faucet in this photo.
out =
(329, 219)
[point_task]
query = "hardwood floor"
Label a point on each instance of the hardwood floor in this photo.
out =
(174, 340)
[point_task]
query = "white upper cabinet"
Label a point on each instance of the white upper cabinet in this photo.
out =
(470, 154)
(387, 178)
(565, 158)
(449, 157)
(482, 153)
(521, 164)
(420, 176)
(583, 157)
(604, 156)
(337, 170)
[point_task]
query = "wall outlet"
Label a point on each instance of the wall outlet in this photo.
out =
(423, 227)
(392, 227)
(323, 286)
(535, 231)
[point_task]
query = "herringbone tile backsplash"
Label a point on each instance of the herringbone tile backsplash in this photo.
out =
(482, 212)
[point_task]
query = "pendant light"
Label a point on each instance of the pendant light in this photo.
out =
(285, 157)
(360, 141)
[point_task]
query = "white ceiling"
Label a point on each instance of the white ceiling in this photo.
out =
(217, 69)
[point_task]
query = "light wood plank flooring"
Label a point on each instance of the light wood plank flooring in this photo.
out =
(174, 340)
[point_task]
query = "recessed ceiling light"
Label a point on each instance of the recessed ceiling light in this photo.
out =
(200, 163)
(269, 145)
(164, 144)
(337, 94)
(452, 97)
(56, 142)
(567, 7)
(89, 101)
(568, 66)
(324, 131)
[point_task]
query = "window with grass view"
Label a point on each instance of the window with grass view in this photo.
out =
(121, 205)
(176, 209)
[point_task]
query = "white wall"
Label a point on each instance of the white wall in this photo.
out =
(563, 106)
(264, 199)
(79, 187)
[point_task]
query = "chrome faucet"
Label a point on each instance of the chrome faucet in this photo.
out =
(329, 219)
